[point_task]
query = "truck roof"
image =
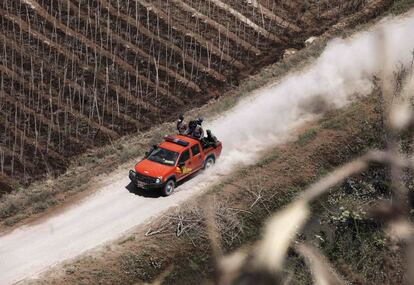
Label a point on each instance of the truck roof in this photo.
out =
(176, 146)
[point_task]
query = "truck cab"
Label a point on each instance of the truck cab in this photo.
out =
(173, 160)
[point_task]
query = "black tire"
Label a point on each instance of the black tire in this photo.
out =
(168, 188)
(209, 162)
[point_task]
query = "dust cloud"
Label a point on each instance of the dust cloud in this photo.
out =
(257, 123)
(344, 70)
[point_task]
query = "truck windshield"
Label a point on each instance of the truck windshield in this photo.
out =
(163, 156)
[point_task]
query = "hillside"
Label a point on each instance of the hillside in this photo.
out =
(79, 74)
(176, 245)
(315, 178)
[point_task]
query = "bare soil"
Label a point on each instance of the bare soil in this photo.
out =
(177, 242)
(77, 75)
(34, 202)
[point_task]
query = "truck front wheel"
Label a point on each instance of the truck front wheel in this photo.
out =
(168, 188)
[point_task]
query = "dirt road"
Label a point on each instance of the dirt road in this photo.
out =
(264, 119)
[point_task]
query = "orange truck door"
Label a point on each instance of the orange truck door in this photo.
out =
(184, 164)
(197, 159)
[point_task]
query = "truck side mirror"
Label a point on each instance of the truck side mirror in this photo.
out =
(181, 164)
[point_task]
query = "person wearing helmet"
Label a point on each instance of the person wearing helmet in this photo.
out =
(198, 130)
(182, 126)
(192, 125)
(209, 140)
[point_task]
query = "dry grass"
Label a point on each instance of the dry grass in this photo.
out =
(248, 197)
(23, 203)
(264, 263)
(232, 267)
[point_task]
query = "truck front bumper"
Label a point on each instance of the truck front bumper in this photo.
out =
(143, 185)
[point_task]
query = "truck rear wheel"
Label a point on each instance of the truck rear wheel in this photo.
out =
(209, 162)
(168, 188)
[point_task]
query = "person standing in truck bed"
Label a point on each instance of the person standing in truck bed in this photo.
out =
(182, 126)
(198, 132)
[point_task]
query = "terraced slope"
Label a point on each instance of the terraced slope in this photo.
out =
(75, 74)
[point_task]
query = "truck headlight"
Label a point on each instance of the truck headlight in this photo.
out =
(159, 180)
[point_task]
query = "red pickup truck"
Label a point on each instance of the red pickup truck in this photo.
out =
(173, 160)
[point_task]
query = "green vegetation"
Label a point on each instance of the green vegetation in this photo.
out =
(401, 6)
(306, 137)
(332, 124)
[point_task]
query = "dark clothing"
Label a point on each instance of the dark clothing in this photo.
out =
(198, 132)
(211, 137)
(195, 130)
(192, 125)
(209, 141)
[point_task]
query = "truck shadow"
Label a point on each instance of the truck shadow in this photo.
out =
(155, 193)
(142, 192)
